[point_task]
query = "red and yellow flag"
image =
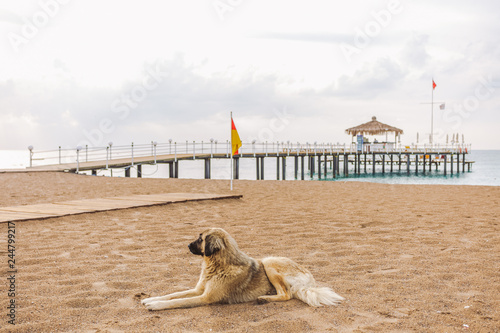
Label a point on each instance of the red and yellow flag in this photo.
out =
(235, 139)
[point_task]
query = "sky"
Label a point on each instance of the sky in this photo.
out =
(93, 72)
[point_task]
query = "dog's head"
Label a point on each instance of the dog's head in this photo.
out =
(210, 242)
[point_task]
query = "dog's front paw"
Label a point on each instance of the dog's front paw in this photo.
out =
(148, 300)
(154, 306)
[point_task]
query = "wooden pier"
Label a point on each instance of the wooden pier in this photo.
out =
(319, 161)
(75, 207)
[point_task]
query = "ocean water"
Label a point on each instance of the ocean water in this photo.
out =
(14, 159)
(485, 170)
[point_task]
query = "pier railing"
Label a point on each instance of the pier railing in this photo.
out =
(216, 149)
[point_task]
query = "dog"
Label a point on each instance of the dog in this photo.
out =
(230, 276)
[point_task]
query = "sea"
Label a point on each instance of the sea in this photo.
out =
(485, 170)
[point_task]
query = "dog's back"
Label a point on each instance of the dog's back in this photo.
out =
(234, 277)
(249, 285)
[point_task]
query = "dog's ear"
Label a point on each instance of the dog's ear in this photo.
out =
(213, 244)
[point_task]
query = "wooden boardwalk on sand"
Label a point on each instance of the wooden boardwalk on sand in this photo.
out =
(73, 207)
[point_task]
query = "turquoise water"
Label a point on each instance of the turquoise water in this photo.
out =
(485, 170)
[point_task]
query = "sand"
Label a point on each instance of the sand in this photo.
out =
(408, 258)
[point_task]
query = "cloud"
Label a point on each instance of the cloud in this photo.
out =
(183, 94)
(10, 17)
(414, 53)
(370, 81)
(170, 93)
(313, 37)
(62, 94)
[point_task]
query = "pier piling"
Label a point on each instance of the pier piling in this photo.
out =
(346, 164)
(277, 168)
(262, 168)
(334, 166)
(283, 168)
(236, 160)
(302, 168)
(445, 165)
(170, 169)
(207, 168)
(373, 163)
(326, 165)
(296, 166)
(257, 169)
(319, 166)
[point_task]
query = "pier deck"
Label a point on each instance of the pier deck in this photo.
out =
(339, 157)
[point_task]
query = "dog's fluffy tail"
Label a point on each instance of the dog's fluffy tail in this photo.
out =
(317, 296)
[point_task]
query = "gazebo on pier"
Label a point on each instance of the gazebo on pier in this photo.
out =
(375, 127)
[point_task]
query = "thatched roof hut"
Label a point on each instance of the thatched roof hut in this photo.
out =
(373, 127)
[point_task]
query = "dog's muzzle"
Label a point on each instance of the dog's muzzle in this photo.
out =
(193, 247)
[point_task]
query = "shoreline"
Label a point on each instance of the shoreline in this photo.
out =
(18, 190)
(484, 172)
(406, 257)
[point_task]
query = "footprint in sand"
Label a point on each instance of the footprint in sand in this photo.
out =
(83, 303)
(65, 255)
(121, 267)
(366, 321)
(127, 226)
(99, 286)
(127, 302)
(385, 271)
(406, 256)
(125, 256)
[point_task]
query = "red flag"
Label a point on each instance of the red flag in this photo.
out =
(235, 139)
(433, 84)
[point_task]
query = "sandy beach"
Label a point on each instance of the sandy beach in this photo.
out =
(407, 258)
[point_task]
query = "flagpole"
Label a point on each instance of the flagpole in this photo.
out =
(432, 113)
(431, 136)
(231, 128)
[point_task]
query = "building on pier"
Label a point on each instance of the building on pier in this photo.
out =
(374, 127)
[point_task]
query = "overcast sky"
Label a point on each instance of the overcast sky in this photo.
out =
(89, 72)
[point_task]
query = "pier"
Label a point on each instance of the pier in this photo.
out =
(307, 160)
(84, 206)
